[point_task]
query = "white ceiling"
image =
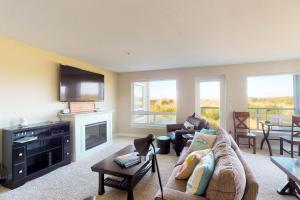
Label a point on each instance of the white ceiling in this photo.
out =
(133, 35)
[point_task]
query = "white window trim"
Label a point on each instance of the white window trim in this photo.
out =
(295, 94)
(223, 93)
(146, 103)
(148, 125)
(275, 74)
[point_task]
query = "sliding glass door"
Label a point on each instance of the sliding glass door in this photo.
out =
(209, 100)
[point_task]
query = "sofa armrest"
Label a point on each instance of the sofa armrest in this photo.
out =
(252, 187)
(170, 194)
(179, 141)
(173, 127)
(182, 132)
(188, 143)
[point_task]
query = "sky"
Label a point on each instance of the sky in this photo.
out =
(258, 86)
(162, 89)
(270, 86)
(167, 89)
(209, 90)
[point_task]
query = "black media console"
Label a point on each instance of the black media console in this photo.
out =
(34, 151)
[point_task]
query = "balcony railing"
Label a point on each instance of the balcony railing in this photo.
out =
(212, 114)
(277, 115)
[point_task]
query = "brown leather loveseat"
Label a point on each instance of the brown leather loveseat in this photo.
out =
(176, 131)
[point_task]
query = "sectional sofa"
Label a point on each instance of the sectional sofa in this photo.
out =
(232, 178)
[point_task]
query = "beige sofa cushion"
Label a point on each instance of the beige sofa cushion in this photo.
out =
(223, 141)
(222, 137)
(170, 194)
(176, 184)
(229, 179)
(182, 156)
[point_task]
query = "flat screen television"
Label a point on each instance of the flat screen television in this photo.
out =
(78, 85)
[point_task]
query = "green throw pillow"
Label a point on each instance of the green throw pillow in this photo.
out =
(210, 131)
(201, 176)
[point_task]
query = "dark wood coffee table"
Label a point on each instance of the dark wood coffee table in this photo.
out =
(292, 170)
(131, 175)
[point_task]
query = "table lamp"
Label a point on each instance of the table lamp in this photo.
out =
(142, 147)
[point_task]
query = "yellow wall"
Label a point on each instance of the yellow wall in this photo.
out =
(29, 83)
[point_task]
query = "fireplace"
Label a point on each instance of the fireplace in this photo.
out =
(95, 134)
(91, 132)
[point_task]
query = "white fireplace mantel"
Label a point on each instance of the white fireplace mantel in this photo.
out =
(78, 126)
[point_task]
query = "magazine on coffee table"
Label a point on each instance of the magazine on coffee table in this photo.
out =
(128, 160)
(133, 158)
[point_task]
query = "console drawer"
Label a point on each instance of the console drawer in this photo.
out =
(67, 153)
(18, 155)
(67, 141)
(19, 171)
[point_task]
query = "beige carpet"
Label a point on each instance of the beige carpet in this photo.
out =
(76, 181)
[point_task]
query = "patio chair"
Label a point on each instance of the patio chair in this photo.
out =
(293, 139)
(242, 130)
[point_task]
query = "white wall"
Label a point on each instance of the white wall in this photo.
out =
(235, 81)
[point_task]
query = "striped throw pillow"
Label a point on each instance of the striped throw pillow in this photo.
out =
(201, 176)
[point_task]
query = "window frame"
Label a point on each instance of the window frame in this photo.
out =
(222, 81)
(147, 100)
(274, 74)
(144, 96)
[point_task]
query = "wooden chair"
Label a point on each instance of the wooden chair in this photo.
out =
(242, 130)
(293, 139)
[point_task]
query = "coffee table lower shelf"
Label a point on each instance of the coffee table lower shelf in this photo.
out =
(131, 175)
(123, 185)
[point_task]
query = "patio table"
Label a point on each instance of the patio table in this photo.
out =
(268, 127)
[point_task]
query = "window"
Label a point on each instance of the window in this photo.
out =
(154, 103)
(209, 101)
(272, 98)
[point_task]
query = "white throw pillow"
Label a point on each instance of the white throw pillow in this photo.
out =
(188, 125)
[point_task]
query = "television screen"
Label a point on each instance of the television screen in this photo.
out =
(78, 85)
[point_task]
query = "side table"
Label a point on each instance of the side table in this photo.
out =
(163, 142)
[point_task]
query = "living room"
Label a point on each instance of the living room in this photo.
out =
(168, 68)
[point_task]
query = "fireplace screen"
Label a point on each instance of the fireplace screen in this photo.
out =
(95, 134)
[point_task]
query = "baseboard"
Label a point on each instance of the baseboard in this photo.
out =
(132, 135)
